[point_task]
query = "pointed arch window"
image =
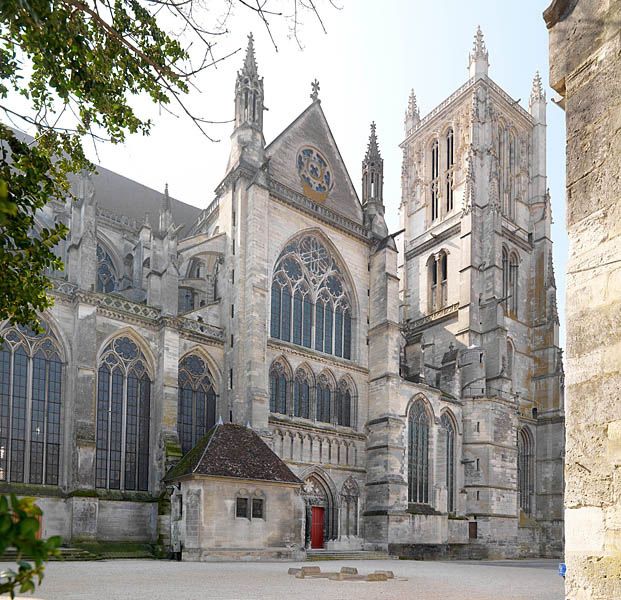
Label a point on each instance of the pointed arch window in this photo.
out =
(437, 267)
(309, 304)
(450, 162)
(344, 404)
(279, 388)
(435, 183)
(107, 278)
(418, 454)
(196, 408)
(31, 374)
(324, 400)
(448, 432)
(301, 394)
(123, 417)
(525, 469)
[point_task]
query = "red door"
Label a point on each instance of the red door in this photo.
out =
(317, 527)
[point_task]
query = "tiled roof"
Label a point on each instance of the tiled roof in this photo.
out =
(229, 450)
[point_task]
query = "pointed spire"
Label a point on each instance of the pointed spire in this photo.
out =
(373, 152)
(250, 63)
(479, 57)
(537, 94)
(412, 114)
(166, 199)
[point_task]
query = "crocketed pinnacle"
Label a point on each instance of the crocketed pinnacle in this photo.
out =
(478, 48)
(250, 63)
(372, 148)
(412, 111)
(537, 92)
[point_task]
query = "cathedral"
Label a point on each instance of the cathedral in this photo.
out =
(278, 374)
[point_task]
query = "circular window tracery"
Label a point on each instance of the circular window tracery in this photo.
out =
(315, 173)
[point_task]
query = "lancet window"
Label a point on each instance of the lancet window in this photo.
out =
(525, 469)
(302, 394)
(437, 266)
(123, 417)
(344, 404)
(448, 432)
(279, 388)
(450, 162)
(510, 282)
(435, 183)
(31, 374)
(310, 305)
(324, 400)
(418, 454)
(196, 412)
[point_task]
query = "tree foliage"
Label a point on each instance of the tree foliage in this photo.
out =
(71, 69)
(19, 526)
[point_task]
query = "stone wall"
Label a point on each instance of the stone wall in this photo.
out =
(212, 531)
(585, 63)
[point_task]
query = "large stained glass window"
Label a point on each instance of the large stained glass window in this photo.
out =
(310, 305)
(123, 417)
(31, 373)
(197, 401)
(448, 431)
(279, 388)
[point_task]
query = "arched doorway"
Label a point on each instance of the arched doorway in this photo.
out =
(321, 513)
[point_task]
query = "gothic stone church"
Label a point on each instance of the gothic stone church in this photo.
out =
(277, 372)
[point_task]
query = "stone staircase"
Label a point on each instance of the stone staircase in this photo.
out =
(312, 555)
(10, 555)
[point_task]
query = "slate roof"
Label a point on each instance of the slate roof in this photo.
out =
(229, 450)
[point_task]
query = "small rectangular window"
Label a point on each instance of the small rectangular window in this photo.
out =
(257, 508)
(232, 311)
(234, 215)
(230, 379)
(233, 276)
(233, 245)
(241, 508)
(231, 340)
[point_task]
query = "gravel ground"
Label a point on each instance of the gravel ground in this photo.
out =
(165, 580)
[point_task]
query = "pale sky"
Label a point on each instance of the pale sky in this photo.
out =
(373, 53)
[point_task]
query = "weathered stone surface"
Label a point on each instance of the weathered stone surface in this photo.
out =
(585, 62)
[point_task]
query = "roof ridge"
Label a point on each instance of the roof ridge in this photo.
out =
(216, 428)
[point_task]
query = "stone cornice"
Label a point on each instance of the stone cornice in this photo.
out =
(432, 242)
(310, 354)
(444, 314)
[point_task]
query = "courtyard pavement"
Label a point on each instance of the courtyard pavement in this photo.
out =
(166, 580)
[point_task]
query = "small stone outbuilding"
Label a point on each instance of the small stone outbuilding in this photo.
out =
(233, 498)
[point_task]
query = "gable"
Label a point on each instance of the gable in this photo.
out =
(305, 158)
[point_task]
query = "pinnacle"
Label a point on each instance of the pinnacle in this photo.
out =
(166, 199)
(250, 63)
(537, 93)
(372, 148)
(479, 49)
(413, 106)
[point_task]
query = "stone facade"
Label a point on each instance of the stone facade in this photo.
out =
(412, 418)
(585, 62)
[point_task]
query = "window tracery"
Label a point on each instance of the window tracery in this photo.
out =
(31, 373)
(437, 267)
(197, 401)
(324, 399)
(310, 305)
(344, 404)
(279, 388)
(302, 394)
(123, 417)
(107, 278)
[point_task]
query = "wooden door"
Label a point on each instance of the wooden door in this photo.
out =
(317, 527)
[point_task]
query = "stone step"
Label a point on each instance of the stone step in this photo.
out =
(10, 555)
(312, 555)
